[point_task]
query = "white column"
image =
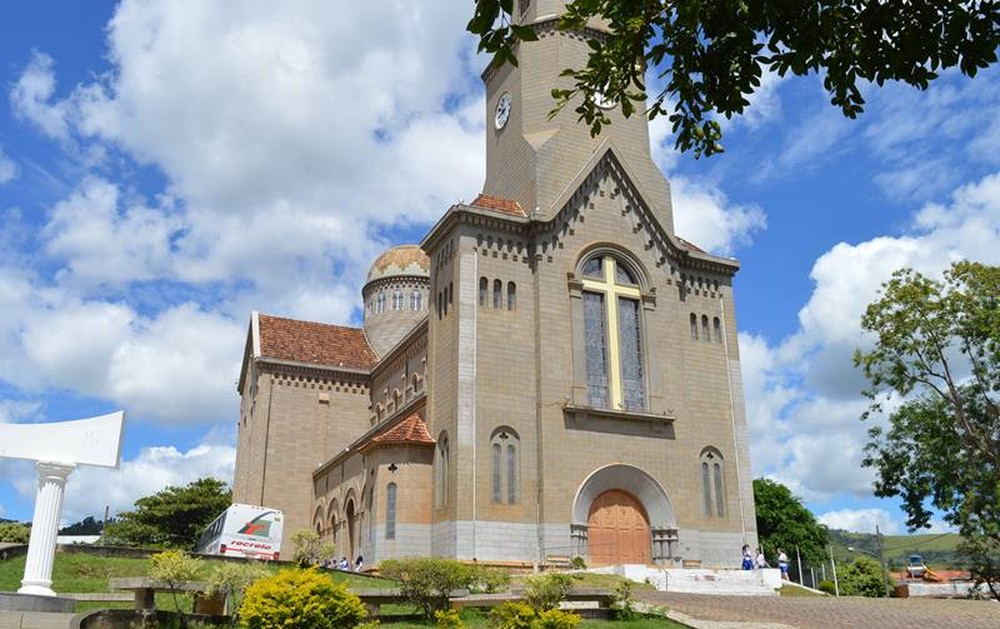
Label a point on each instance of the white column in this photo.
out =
(44, 528)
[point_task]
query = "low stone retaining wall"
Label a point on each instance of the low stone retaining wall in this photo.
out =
(764, 582)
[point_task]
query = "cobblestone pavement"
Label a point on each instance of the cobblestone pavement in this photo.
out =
(822, 612)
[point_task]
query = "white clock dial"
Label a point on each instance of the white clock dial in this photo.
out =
(503, 111)
(603, 101)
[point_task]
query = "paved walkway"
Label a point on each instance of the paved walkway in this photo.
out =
(773, 612)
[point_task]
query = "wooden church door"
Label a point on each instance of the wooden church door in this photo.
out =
(618, 529)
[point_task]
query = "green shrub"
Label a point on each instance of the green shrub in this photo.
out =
(556, 619)
(230, 579)
(14, 533)
(522, 616)
(492, 580)
(623, 607)
(448, 619)
(578, 563)
(426, 582)
(300, 599)
(512, 615)
(545, 591)
(827, 587)
(862, 577)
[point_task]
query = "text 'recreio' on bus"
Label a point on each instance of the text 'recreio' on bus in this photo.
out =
(244, 531)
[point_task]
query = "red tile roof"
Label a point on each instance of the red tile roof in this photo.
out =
(315, 343)
(504, 206)
(690, 246)
(411, 430)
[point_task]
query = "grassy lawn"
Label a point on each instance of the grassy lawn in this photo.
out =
(794, 590)
(78, 572)
(478, 620)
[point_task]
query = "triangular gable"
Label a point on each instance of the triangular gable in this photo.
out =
(627, 180)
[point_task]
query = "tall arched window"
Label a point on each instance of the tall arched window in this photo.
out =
(497, 293)
(484, 287)
(380, 302)
(713, 482)
(397, 300)
(718, 329)
(511, 296)
(390, 511)
(441, 478)
(704, 329)
(694, 327)
(451, 293)
(504, 447)
(612, 310)
(416, 300)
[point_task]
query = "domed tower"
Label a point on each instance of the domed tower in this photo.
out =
(395, 295)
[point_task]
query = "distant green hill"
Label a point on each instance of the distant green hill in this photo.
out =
(938, 549)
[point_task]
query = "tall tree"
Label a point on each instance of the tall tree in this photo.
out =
(171, 518)
(710, 56)
(936, 361)
(784, 522)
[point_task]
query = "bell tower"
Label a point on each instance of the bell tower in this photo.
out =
(532, 158)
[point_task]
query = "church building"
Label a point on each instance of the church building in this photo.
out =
(550, 372)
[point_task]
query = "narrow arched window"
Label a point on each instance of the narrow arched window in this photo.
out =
(390, 511)
(706, 486)
(504, 446)
(704, 329)
(694, 327)
(612, 318)
(717, 324)
(713, 482)
(497, 450)
(511, 296)
(416, 300)
(484, 287)
(451, 294)
(497, 293)
(397, 300)
(441, 478)
(439, 309)
(380, 302)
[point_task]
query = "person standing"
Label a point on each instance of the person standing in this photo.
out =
(760, 562)
(747, 558)
(783, 564)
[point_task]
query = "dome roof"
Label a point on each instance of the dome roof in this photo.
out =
(402, 260)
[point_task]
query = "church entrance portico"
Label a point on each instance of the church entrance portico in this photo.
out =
(622, 515)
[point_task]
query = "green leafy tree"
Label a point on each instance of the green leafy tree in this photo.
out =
(14, 532)
(936, 361)
(172, 518)
(784, 522)
(427, 582)
(310, 550)
(230, 579)
(710, 56)
(86, 526)
(173, 567)
(862, 577)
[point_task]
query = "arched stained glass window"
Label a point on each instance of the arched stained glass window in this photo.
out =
(504, 446)
(713, 482)
(497, 294)
(717, 324)
(441, 476)
(484, 287)
(511, 296)
(390, 511)
(612, 310)
(694, 327)
(416, 300)
(704, 329)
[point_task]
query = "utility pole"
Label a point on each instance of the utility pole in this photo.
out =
(833, 564)
(881, 561)
(799, 558)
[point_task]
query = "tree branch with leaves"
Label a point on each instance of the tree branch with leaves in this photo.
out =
(710, 56)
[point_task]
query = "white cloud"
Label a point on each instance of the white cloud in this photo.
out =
(861, 521)
(18, 410)
(31, 94)
(89, 489)
(804, 394)
(704, 216)
(8, 169)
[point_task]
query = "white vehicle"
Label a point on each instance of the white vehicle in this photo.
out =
(244, 531)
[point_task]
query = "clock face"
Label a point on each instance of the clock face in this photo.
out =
(602, 101)
(503, 111)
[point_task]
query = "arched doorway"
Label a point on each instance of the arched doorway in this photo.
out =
(619, 529)
(351, 527)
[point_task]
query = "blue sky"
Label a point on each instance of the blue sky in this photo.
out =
(166, 167)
